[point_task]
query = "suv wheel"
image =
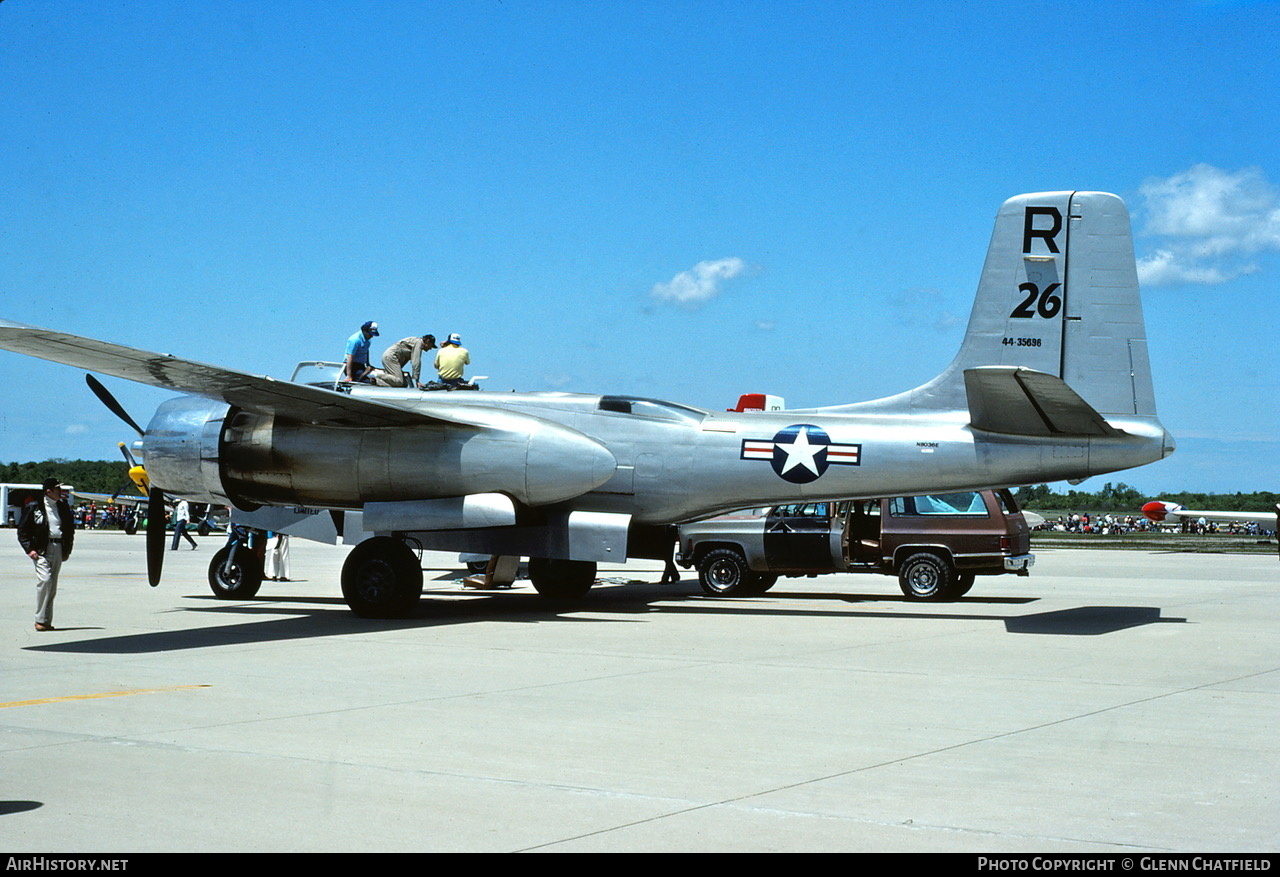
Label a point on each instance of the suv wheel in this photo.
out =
(724, 573)
(926, 576)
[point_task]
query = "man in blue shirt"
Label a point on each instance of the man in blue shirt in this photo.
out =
(356, 366)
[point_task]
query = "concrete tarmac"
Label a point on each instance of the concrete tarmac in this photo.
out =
(1114, 701)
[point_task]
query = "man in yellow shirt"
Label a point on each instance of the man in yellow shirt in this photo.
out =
(451, 360)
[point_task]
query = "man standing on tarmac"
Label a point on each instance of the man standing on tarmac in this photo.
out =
(181, 518)
(405, 351)
(356, 366)
(451, 360)
(46, 532)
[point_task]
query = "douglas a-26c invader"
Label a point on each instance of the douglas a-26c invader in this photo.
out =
(1052, 382)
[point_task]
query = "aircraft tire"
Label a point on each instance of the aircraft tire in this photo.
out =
(381, 578)
(561, 579)
(964, 583)
(238, 580)
(926, 576)
(763, 584)
(724, 573)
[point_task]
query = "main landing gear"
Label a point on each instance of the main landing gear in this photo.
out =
(382, 578)
(561, 579)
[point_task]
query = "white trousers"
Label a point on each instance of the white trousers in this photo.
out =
(277, 559)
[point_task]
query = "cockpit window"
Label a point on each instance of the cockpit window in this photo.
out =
(317, 374)
(650, 408)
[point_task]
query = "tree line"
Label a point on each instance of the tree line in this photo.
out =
(1128, 500)
(91, 476)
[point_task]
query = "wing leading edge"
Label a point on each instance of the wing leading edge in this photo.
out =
(257, 393)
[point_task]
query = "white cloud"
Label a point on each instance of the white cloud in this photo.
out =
(1211, 221)
(699, 284)
(1166, 268)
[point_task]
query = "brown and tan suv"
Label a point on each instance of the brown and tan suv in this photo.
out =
(936, 545)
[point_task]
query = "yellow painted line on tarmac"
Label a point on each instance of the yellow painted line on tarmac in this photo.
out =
(40, 700)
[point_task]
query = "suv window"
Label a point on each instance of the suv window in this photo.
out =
(967, 504)
(801, 510)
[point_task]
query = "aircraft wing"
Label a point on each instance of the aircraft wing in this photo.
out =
(252, 392)
(1161, 511)
(1023, 401)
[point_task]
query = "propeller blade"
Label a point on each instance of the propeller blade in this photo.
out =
(137, 474)
(128, 456)
(155, 535)
(107, 399)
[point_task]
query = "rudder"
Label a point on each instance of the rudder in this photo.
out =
(1059, 295)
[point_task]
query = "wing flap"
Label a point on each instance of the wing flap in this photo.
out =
(1023, 401)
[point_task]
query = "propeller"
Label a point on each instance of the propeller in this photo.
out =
(155, 535)
(137, 475)
(104, 395)
(155, 496)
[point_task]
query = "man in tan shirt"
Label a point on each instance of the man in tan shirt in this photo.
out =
(406, 350)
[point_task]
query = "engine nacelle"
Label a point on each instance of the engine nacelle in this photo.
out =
(209, 451)
(181, 449)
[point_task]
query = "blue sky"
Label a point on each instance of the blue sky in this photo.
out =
(685, 200)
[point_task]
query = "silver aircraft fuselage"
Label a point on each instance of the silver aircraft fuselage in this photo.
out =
(675, 463)
(658, 462)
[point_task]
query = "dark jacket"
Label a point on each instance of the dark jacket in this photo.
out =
(33, 529)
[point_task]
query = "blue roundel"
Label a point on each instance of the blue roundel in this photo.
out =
(800, 453)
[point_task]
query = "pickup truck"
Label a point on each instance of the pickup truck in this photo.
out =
(936, 545)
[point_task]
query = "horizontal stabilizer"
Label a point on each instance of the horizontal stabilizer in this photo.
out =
(1023, 401)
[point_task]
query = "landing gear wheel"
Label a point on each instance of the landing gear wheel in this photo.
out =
(964, 582)
(724, 573)
(235, 573)
(561, 579)
(926, 576)
(381, 578)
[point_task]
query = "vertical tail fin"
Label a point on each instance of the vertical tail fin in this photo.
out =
(1059, 295)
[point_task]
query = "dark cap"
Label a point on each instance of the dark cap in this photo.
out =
(51, 483)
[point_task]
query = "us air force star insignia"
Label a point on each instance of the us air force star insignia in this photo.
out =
(801, 453)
